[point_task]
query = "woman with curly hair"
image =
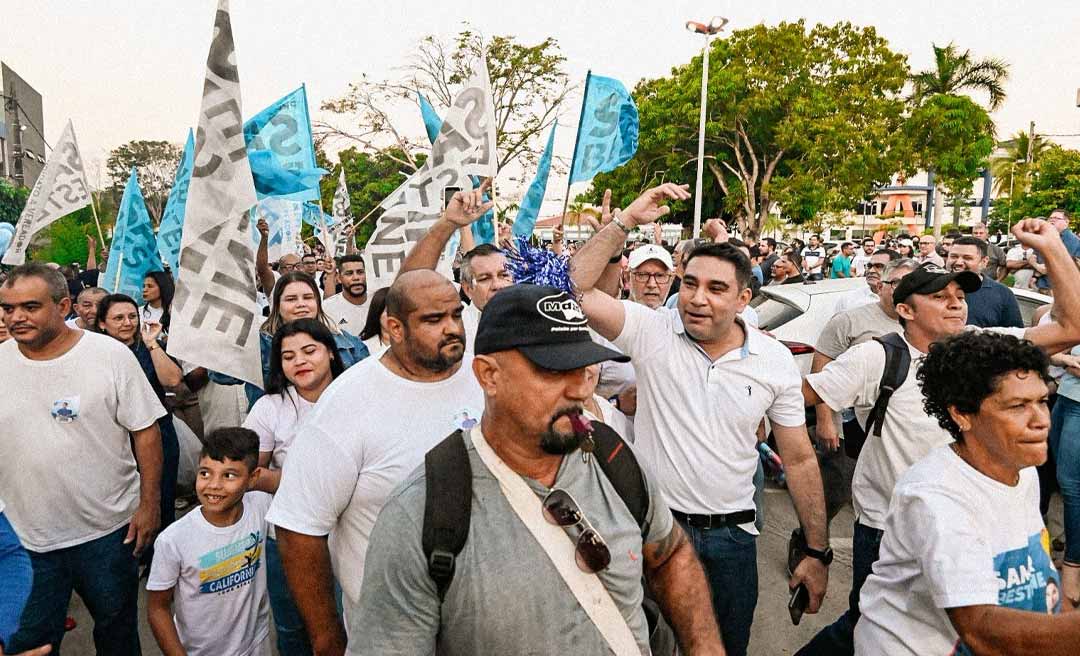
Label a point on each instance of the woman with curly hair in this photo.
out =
(965, 560)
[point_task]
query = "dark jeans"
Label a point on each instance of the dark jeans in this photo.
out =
(292, 637)
(1065, 445)
(104, 573)
(838, 638)
(729, 556)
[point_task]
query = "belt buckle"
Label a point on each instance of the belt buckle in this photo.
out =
(709, 525)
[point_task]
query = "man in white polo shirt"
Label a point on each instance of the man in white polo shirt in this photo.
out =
(349, 309)
(705, 382)
(930, 304)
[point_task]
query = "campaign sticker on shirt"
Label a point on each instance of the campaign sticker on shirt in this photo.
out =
(65, 410)
(466, 419)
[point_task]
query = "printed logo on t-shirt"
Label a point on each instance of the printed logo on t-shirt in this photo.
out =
(1027, 580)
(466, 419)
(65, 410)
(232, 566)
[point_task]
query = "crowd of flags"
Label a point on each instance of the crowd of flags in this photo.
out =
(228, 178)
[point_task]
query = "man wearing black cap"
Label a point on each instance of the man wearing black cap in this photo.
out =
(508, 594)
(930, 304)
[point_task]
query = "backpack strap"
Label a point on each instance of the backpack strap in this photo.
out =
(897, 364)
(447, 506)
(621, 467)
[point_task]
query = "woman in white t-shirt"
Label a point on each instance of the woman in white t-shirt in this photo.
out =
(157, 294)
(303, 363)
(373, 333)
(965, 562)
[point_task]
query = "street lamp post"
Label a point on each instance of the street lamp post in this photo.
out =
(715, 25)
(1012, 180)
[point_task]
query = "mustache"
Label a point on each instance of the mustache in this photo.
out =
(452, 339)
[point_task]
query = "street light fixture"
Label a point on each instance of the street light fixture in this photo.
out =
(715, 25)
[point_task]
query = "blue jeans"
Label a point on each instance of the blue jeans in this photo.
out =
(729, 556)
(292, 637)
(838, 638)
(105, 574)
(15, 579)
(1065, 445)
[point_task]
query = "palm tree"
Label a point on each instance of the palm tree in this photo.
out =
(1013, 163)
(956, 71)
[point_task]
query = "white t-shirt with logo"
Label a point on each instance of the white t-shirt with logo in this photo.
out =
(369, 430)
(218, 577)
(813, 259)
(67, 469)
(346, 315)
(953, 538)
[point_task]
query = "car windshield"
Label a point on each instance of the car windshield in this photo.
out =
(773, 312)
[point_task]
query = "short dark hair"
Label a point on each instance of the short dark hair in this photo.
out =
(350, 258)
(234, 443)
(726, 253)
(466, 260)
(1063, 211)
(868, 239)
(968, 240)
(373, 324)
(963, 370)
(893, 255)
(795, 258)
(57, 283)
(116, 299)
(846, 244)
(816, 236)
(771, 242)
(276, 382)
(307, 255)
(952, 234)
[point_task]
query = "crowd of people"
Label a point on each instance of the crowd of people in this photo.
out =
(491, 465)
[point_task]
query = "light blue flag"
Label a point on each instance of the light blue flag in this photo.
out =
(608, 130)
(281, 150)
(284, 218)
(483, 229)
(134, 251)
(534, 197)
(311, 216)
(432, 120)
(172, 219)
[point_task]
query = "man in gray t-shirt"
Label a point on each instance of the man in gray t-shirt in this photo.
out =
(506, 595)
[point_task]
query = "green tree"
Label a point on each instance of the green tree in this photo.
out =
(1055, 184)
(528, 85)
(370, 177)
(1011, 170)
(805, 117)
(955, 72)
(12, 201)
(156, 162)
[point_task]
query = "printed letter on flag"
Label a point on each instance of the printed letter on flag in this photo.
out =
(465, 146)
(215, 317)
(172, 219)
(608, 134)
(60, 190)
(133, 252)
(281, 150)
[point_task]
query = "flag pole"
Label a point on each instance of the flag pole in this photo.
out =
(577, 139)
(93, 210)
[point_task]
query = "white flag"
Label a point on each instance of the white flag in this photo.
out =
(342, 205)
(465, 146)
(60, 190)
(215, 317)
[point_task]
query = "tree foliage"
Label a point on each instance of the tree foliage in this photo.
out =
(1011, 170)
(806, 117)
(951, 136)
(12, 201)
(528, 85)
(1055, 183)
(156, 162)
(955, 72)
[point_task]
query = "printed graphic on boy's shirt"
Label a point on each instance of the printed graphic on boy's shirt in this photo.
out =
(232, 566)
(65, 410)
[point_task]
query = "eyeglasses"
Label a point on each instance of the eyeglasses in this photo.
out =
(876, 266)
(890, 282)
(592, 554)
(660, 278)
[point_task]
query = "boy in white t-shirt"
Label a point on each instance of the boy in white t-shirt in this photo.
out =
(208, 566)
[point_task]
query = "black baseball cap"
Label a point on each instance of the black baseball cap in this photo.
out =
(930, 278)
(545, 324)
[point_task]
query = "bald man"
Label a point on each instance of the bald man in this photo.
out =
(369, 431)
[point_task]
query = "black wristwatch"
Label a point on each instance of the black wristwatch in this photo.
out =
(826, 556)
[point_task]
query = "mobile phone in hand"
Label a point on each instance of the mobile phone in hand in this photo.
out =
(799, 602)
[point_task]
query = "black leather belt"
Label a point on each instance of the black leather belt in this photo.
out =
(715, 521)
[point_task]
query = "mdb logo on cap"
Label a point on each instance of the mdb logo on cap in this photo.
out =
(561, 309)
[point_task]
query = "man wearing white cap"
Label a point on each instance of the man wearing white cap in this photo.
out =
(651, 273)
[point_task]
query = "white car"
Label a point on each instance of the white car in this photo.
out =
(795, 314)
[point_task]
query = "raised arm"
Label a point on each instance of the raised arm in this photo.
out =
(1064, 331)
(465, 207)
(262, 258)
(91, 253)
(606, 314)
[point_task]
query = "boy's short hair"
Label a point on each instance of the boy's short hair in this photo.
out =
(234, 443)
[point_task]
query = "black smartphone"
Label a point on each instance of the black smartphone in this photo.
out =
(448, 193)
(797, 605)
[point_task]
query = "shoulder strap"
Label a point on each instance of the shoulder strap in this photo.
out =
(621, 467)
(897, 364)
(447, 506)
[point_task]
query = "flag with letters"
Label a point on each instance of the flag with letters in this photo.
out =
(281, 150)
(171, 227)
(134, 251)
(60, 190)
(608, 131)
(215, 314)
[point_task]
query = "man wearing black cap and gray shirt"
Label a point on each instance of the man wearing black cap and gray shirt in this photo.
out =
(545, 520)
(706, 381)
(931, 306)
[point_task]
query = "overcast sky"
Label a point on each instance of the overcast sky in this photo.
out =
(133, 69)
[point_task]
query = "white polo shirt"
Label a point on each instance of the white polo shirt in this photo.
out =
(696, 419)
